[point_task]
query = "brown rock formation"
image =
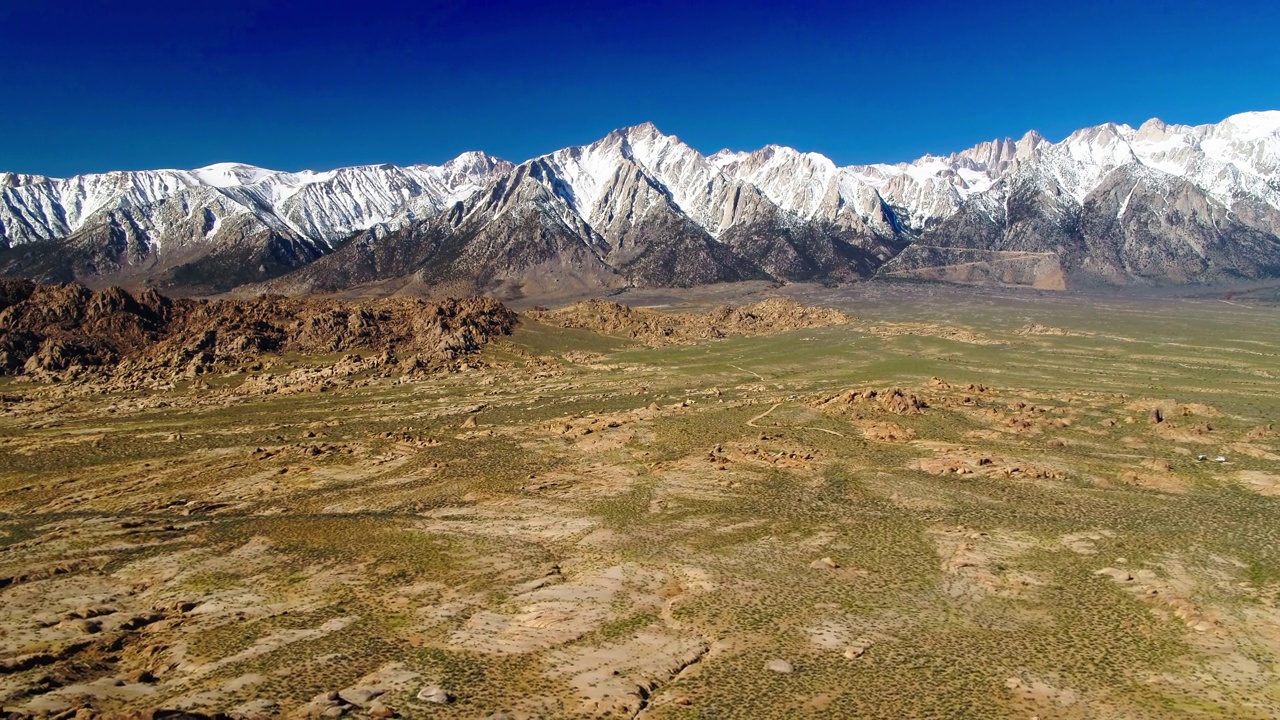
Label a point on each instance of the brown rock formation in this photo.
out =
(68, 330)
(654, 328)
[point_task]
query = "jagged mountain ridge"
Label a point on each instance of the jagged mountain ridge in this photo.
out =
(323, 206)
(1159, 203)
(227, 221)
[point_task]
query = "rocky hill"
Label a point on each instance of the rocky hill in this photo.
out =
(662, 328)
(53, 332)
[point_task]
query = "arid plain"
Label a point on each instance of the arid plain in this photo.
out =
(928, 502)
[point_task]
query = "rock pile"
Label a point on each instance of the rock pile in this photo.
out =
(893, 400)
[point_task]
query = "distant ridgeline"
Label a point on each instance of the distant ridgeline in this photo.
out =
(1113, 205)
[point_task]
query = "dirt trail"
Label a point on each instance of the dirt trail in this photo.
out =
(761, 416)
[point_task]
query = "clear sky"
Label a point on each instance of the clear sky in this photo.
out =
(94, 85)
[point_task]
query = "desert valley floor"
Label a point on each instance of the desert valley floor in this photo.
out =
(954, 505)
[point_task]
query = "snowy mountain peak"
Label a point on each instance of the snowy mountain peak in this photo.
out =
(1104, 134)
(473, 159)
(223, 175)
(1153, 126)
(642, 130)
(1031, 139)
(997, 156)
(1252, 125)
(720, 158)
(10, 179)
(462, 176)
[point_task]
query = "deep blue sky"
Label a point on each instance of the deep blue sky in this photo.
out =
(96, 85)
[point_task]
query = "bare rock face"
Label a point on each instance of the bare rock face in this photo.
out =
(68, 330)
(781, 666)
(435, 694)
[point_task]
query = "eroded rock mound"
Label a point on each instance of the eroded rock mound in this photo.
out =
(65, 331)
(893, 400)
(654, 328)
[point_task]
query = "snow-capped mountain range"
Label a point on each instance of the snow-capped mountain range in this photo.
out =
(1111, 203)
(320, 206)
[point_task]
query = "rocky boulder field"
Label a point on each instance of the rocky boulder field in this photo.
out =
(66, 332)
